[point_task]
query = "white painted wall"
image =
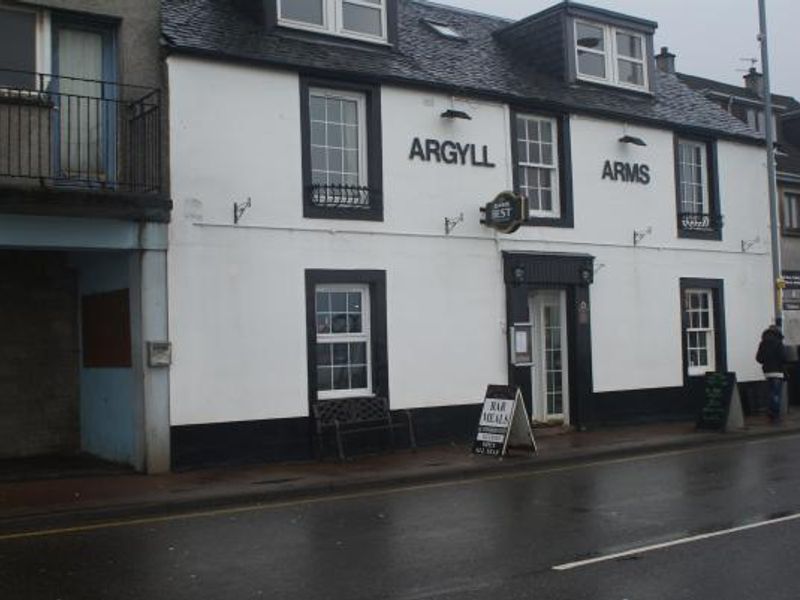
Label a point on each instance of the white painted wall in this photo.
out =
(237, 293)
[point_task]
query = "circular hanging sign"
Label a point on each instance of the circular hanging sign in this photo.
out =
(505, 213)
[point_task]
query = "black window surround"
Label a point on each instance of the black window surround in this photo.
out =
(706, 226)
(717, 288)
(566, 217)
(376, 281)
(363, 204)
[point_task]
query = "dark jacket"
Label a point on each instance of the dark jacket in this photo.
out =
(770, 351)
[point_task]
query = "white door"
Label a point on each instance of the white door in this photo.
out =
(548, 310)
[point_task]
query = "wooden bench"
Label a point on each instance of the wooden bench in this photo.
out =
(356, 415)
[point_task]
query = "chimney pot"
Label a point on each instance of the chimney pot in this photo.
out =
(754, 81)
(665, 60)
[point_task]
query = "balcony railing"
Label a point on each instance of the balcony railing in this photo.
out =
(342, 196)
(699, 222)
(71, 132)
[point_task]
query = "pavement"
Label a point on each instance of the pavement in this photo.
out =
(77, 497)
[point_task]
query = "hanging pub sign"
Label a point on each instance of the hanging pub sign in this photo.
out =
(505, 213)
(504, 423)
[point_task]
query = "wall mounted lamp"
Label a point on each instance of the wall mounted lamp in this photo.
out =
(452, 113)
(630, 139)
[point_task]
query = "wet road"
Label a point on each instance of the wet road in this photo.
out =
(489, 538)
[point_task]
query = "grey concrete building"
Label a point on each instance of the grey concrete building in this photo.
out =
(84, 352)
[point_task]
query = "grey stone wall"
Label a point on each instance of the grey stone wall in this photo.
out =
(39, 395)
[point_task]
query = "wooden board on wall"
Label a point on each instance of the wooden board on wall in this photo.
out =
(106, 329)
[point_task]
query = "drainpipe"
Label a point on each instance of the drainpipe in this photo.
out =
(773, 192)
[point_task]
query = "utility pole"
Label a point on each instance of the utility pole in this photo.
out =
(777, 274)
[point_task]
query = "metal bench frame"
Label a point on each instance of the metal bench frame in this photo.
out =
(356, 415)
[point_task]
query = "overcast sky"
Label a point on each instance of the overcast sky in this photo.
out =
(708, 36)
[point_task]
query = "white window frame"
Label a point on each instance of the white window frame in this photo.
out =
(361, 111)
(703, 184)
(791, 211)
(555, 212)
(346, 338)
(611, 55)
(710, 333)
(333, 19)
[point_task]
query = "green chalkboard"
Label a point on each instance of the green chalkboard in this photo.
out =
(718, 390)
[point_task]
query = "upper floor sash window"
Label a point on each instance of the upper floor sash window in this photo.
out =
(697, 190)
(610, 55)
(362, 19)
(537, 162)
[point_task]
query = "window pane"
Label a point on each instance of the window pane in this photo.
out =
(362, 19)
(351, 137)
(358, 353)
(547, 131)
(307, 11)
(318, 134)
(323, 323)
(324, 356)
(629, 45)
(339, 301)
(534, 156)
(317, 108)
(335, 135)
(629, 72)
(340, 355)
(354, 323)
(339, 323)
(358, 377)
(350, 112)
(17, 48)
(547, 154)
(341, 379)
(324, 379)
(319, 159)
(589, 36)
(354, 302)
(323, 302)
(591, 64)
(522, 151)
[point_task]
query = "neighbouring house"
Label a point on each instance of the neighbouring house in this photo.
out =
(746, 103)
(83, 232)
(329, 160)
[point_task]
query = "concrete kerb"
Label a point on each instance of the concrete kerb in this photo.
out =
(218, 499)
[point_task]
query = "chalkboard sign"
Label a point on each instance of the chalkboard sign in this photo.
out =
(504, 422)
(720, 407)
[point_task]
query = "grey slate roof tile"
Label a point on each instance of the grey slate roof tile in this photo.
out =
(477, 65)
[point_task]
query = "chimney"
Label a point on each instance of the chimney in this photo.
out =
(665, 60)
(754, 81)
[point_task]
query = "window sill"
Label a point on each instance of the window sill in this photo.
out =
(605, 84)
(562, 222)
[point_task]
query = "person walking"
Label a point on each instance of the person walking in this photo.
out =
(770, 355)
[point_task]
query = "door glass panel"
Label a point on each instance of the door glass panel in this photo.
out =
(81, 108)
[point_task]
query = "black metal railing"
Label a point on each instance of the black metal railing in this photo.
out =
(67, 131)
(342, 196)
(699, 222)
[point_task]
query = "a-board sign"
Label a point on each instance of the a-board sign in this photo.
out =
(721, 407)
(504, 423)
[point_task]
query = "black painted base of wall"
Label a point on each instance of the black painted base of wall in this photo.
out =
(276, 440)
(665, 404)
(221, 444)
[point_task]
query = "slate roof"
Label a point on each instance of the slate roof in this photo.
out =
(727, 89)
(477, 65)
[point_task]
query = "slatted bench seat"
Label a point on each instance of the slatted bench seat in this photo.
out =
(356, 415)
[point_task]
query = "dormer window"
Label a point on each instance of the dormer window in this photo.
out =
(361, 19)
(610, 55)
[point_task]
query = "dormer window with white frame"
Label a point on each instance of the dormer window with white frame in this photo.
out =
(607, 54)
(359, 19)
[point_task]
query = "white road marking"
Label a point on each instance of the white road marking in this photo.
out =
(678, 542)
